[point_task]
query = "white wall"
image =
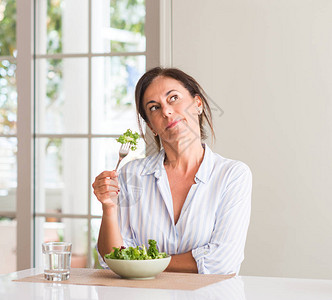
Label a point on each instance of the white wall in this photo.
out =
(268, 65)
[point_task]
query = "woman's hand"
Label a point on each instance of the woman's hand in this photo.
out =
(106, 188)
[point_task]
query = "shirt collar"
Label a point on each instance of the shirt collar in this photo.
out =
(155, 165)
(205, 169)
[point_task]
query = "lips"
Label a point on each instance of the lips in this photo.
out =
(173, 124)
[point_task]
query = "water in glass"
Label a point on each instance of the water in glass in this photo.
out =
(57, 257)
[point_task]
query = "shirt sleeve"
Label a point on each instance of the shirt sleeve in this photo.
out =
(225, 251)
(100, 260)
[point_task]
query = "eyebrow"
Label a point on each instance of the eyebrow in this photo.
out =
(170, 92)
(167, 93)
(152, 101)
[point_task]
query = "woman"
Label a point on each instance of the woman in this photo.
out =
(193, 202)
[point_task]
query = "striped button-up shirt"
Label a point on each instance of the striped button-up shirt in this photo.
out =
(214, 218)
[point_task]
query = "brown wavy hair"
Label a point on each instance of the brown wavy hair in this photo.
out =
(188, 82)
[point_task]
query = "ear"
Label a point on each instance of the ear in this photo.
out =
(199, 103)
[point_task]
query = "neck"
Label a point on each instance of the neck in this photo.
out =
(183, 157)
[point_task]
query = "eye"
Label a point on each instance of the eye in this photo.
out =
(153, 107)
(173, 98)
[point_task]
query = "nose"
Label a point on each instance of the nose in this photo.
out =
(167, 110)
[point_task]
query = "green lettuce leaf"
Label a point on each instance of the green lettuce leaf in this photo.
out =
(137, 253)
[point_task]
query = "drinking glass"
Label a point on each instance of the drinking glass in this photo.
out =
(57, 257)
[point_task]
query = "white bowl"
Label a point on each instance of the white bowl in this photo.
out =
(138, 269)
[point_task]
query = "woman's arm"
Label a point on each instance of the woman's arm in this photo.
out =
(109, 233)
(184, 263)
(106, 189)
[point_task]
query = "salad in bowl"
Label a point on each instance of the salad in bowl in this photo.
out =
(138, 262)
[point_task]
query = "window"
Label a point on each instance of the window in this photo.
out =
(80, 72)
(87, 64)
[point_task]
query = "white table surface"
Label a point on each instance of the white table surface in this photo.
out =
(239, 288)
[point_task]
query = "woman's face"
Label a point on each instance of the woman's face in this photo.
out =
(172, 112)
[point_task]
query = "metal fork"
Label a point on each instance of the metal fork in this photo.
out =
(123, 152)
